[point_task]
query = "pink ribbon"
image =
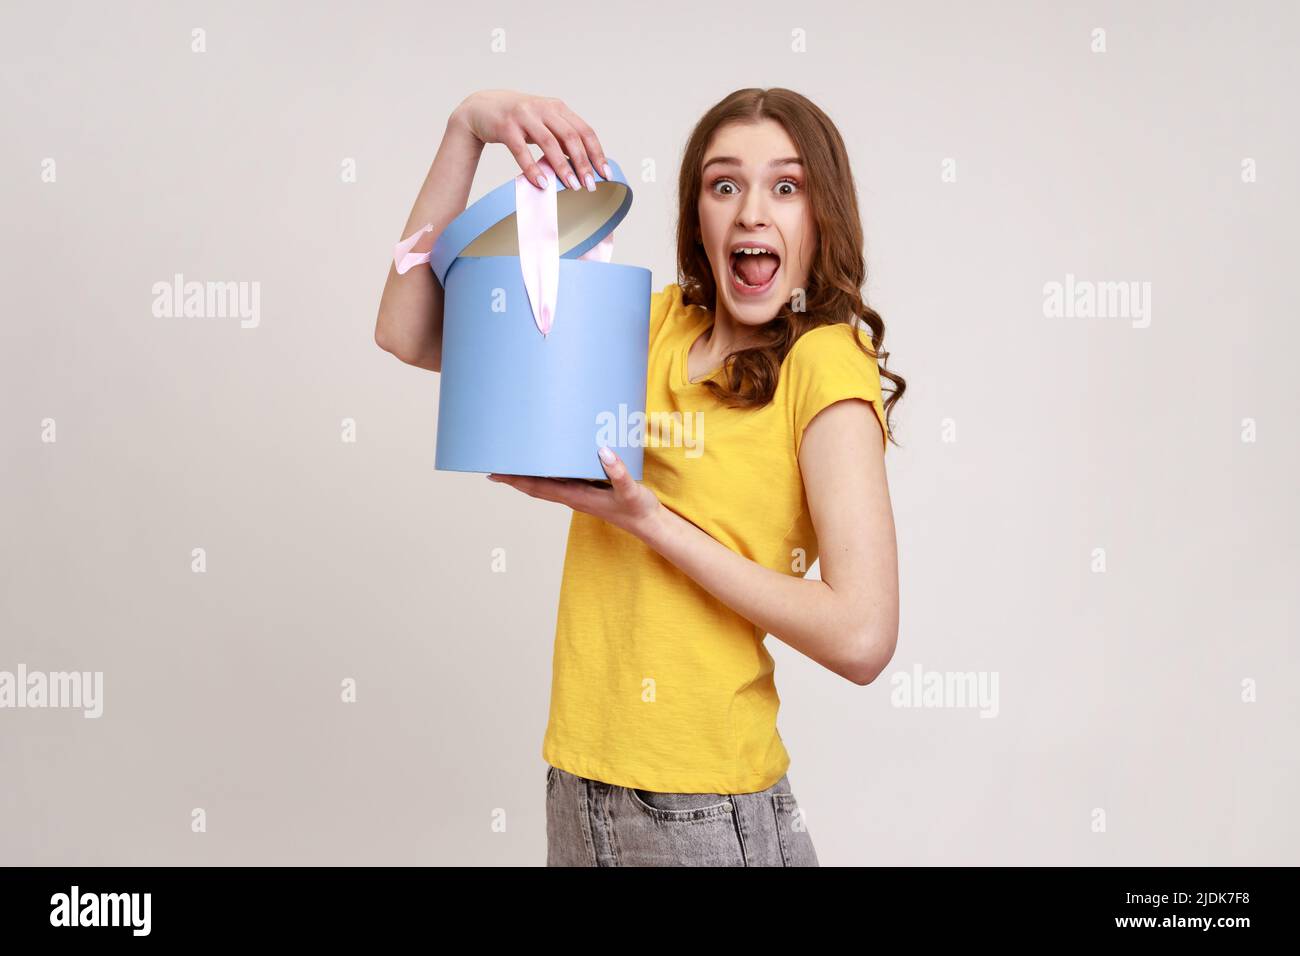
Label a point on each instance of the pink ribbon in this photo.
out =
(403, 257)
(539, 243)
(536, 220)
(537, 225)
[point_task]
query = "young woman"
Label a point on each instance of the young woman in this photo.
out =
(662, 746)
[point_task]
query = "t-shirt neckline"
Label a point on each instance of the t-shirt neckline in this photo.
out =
(684, 360)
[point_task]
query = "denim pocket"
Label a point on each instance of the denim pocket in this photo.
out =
(670, 807)
(792, 832)
(649, 828)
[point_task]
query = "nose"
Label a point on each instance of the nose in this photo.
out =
(753, 211)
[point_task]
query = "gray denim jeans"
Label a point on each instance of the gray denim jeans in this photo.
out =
(589, 823)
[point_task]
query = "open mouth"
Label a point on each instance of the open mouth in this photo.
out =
(754, 268)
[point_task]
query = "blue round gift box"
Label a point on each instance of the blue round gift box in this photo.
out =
(511, 400)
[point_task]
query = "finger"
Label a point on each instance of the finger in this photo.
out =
(515, 141)
(622, 480)
(591, 143)
(540, 134)
(575, 493)
(520, 483)
(548, 489)
(575, 148)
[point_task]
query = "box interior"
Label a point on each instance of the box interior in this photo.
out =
(580, 212)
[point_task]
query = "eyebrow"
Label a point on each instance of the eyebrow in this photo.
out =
(733, 161)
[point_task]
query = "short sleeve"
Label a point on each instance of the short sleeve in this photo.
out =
(826, 366)
(662, 304)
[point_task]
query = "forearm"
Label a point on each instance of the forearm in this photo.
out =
(832, 628)
(409, 323)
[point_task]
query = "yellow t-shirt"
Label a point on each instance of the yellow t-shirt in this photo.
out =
(656, 684)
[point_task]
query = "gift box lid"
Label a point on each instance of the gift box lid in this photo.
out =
(487, 227)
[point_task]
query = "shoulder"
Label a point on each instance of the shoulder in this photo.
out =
(667, 308)
(830, 350)
(826, 365)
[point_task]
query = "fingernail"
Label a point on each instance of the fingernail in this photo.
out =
(573, 181)
(606, 455)
(604, 168)
(542, 180)
(591, 184)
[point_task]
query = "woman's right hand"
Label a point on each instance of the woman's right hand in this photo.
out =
(517, 119)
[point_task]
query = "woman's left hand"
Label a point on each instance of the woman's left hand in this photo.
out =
(629, 504)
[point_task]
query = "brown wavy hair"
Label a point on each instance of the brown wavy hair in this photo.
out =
(749, 376)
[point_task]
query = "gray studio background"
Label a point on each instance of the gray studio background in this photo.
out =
(1146, 713)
